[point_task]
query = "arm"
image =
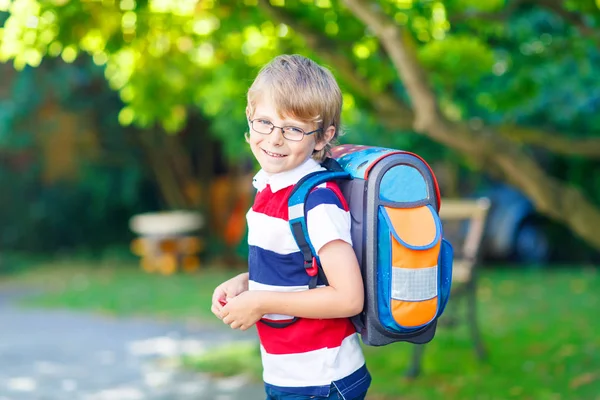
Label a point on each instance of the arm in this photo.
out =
(343, 297)
(328, 223)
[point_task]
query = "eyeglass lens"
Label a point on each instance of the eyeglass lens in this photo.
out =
(266, 127)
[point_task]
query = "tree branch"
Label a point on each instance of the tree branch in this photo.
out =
(555, 6)
(386, 104)
(500, 16)
(393, 112)
(573, 17)
(556, 143)
(550, 196)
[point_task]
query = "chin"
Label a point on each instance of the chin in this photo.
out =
(272, 169)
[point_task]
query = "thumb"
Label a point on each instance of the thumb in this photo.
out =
(219, 294)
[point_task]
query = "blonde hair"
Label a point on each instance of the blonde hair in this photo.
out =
(301, 89)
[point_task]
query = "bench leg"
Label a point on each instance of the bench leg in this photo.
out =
(480, 350)
(415, 366)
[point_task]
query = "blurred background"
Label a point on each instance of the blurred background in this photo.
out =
(126, 179)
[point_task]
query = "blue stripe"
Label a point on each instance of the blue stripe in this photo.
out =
(351, 387)
(320, 391)
(355, 384)
(270, 268)
(322, 196)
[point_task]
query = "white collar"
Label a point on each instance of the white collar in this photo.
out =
(286, 178)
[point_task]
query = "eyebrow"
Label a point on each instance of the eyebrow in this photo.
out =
(286, 122)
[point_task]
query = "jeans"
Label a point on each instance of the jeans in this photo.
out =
(334, 394)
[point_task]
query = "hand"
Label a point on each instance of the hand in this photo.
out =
(227, 291)
(243, 311)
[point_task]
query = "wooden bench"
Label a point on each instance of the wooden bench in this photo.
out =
(463, 222)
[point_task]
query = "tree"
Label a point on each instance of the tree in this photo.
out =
(476, 77)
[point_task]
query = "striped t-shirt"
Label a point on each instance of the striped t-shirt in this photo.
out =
(308, 356)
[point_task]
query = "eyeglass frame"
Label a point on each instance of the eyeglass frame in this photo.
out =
(273, 126)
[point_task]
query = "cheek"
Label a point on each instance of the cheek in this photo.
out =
(253, 139)
(304, 150)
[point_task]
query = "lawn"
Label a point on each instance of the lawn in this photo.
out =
(541, 328)
(120, 291)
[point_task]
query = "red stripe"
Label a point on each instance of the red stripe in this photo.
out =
(276, 204)
(338, 192)
(436, 187)
(377, 160)
(273, 204)
(305, 335)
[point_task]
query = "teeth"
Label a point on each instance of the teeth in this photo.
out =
(273, 154)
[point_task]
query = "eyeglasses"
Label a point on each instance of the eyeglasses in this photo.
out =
(292, 133)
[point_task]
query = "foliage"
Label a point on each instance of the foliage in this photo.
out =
(90, 204)
(506, 68)
(492, 62)
(539, 328)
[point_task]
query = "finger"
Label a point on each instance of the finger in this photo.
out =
(235, 325)
(216, 311)
(218, 297)
(219, 294)
(216, 305)
(216, 308)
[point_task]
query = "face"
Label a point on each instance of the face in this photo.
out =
(275, 153)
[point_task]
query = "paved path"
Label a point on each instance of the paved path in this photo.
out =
(63, 355)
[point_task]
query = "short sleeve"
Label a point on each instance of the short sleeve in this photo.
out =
(327, 218)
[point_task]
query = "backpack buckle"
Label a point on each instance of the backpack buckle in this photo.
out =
(313, 270)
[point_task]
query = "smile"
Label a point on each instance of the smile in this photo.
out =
(273, 154)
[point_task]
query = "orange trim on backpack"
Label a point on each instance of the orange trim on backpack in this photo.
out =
(403, 257)
(414, 226)
(410, 314)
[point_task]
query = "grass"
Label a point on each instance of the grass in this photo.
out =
(541, 328)
(120, 290)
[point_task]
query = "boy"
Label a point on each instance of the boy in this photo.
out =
(293, 114)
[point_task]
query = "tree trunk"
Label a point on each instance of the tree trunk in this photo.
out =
(171, 168)
(551, 197)
(394, 113)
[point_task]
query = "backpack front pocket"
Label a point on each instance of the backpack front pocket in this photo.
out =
(409, 275)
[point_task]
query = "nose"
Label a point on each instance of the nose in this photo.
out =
(276, 137)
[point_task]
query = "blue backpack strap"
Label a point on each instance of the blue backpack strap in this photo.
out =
(297, 221)
(297, 216)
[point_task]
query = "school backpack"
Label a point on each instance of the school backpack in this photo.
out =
(406, 264)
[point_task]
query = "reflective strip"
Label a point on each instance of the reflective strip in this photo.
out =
(296, 211)
(414, 284)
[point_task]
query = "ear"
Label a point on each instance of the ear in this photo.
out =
(329, 134)
(247, 134)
